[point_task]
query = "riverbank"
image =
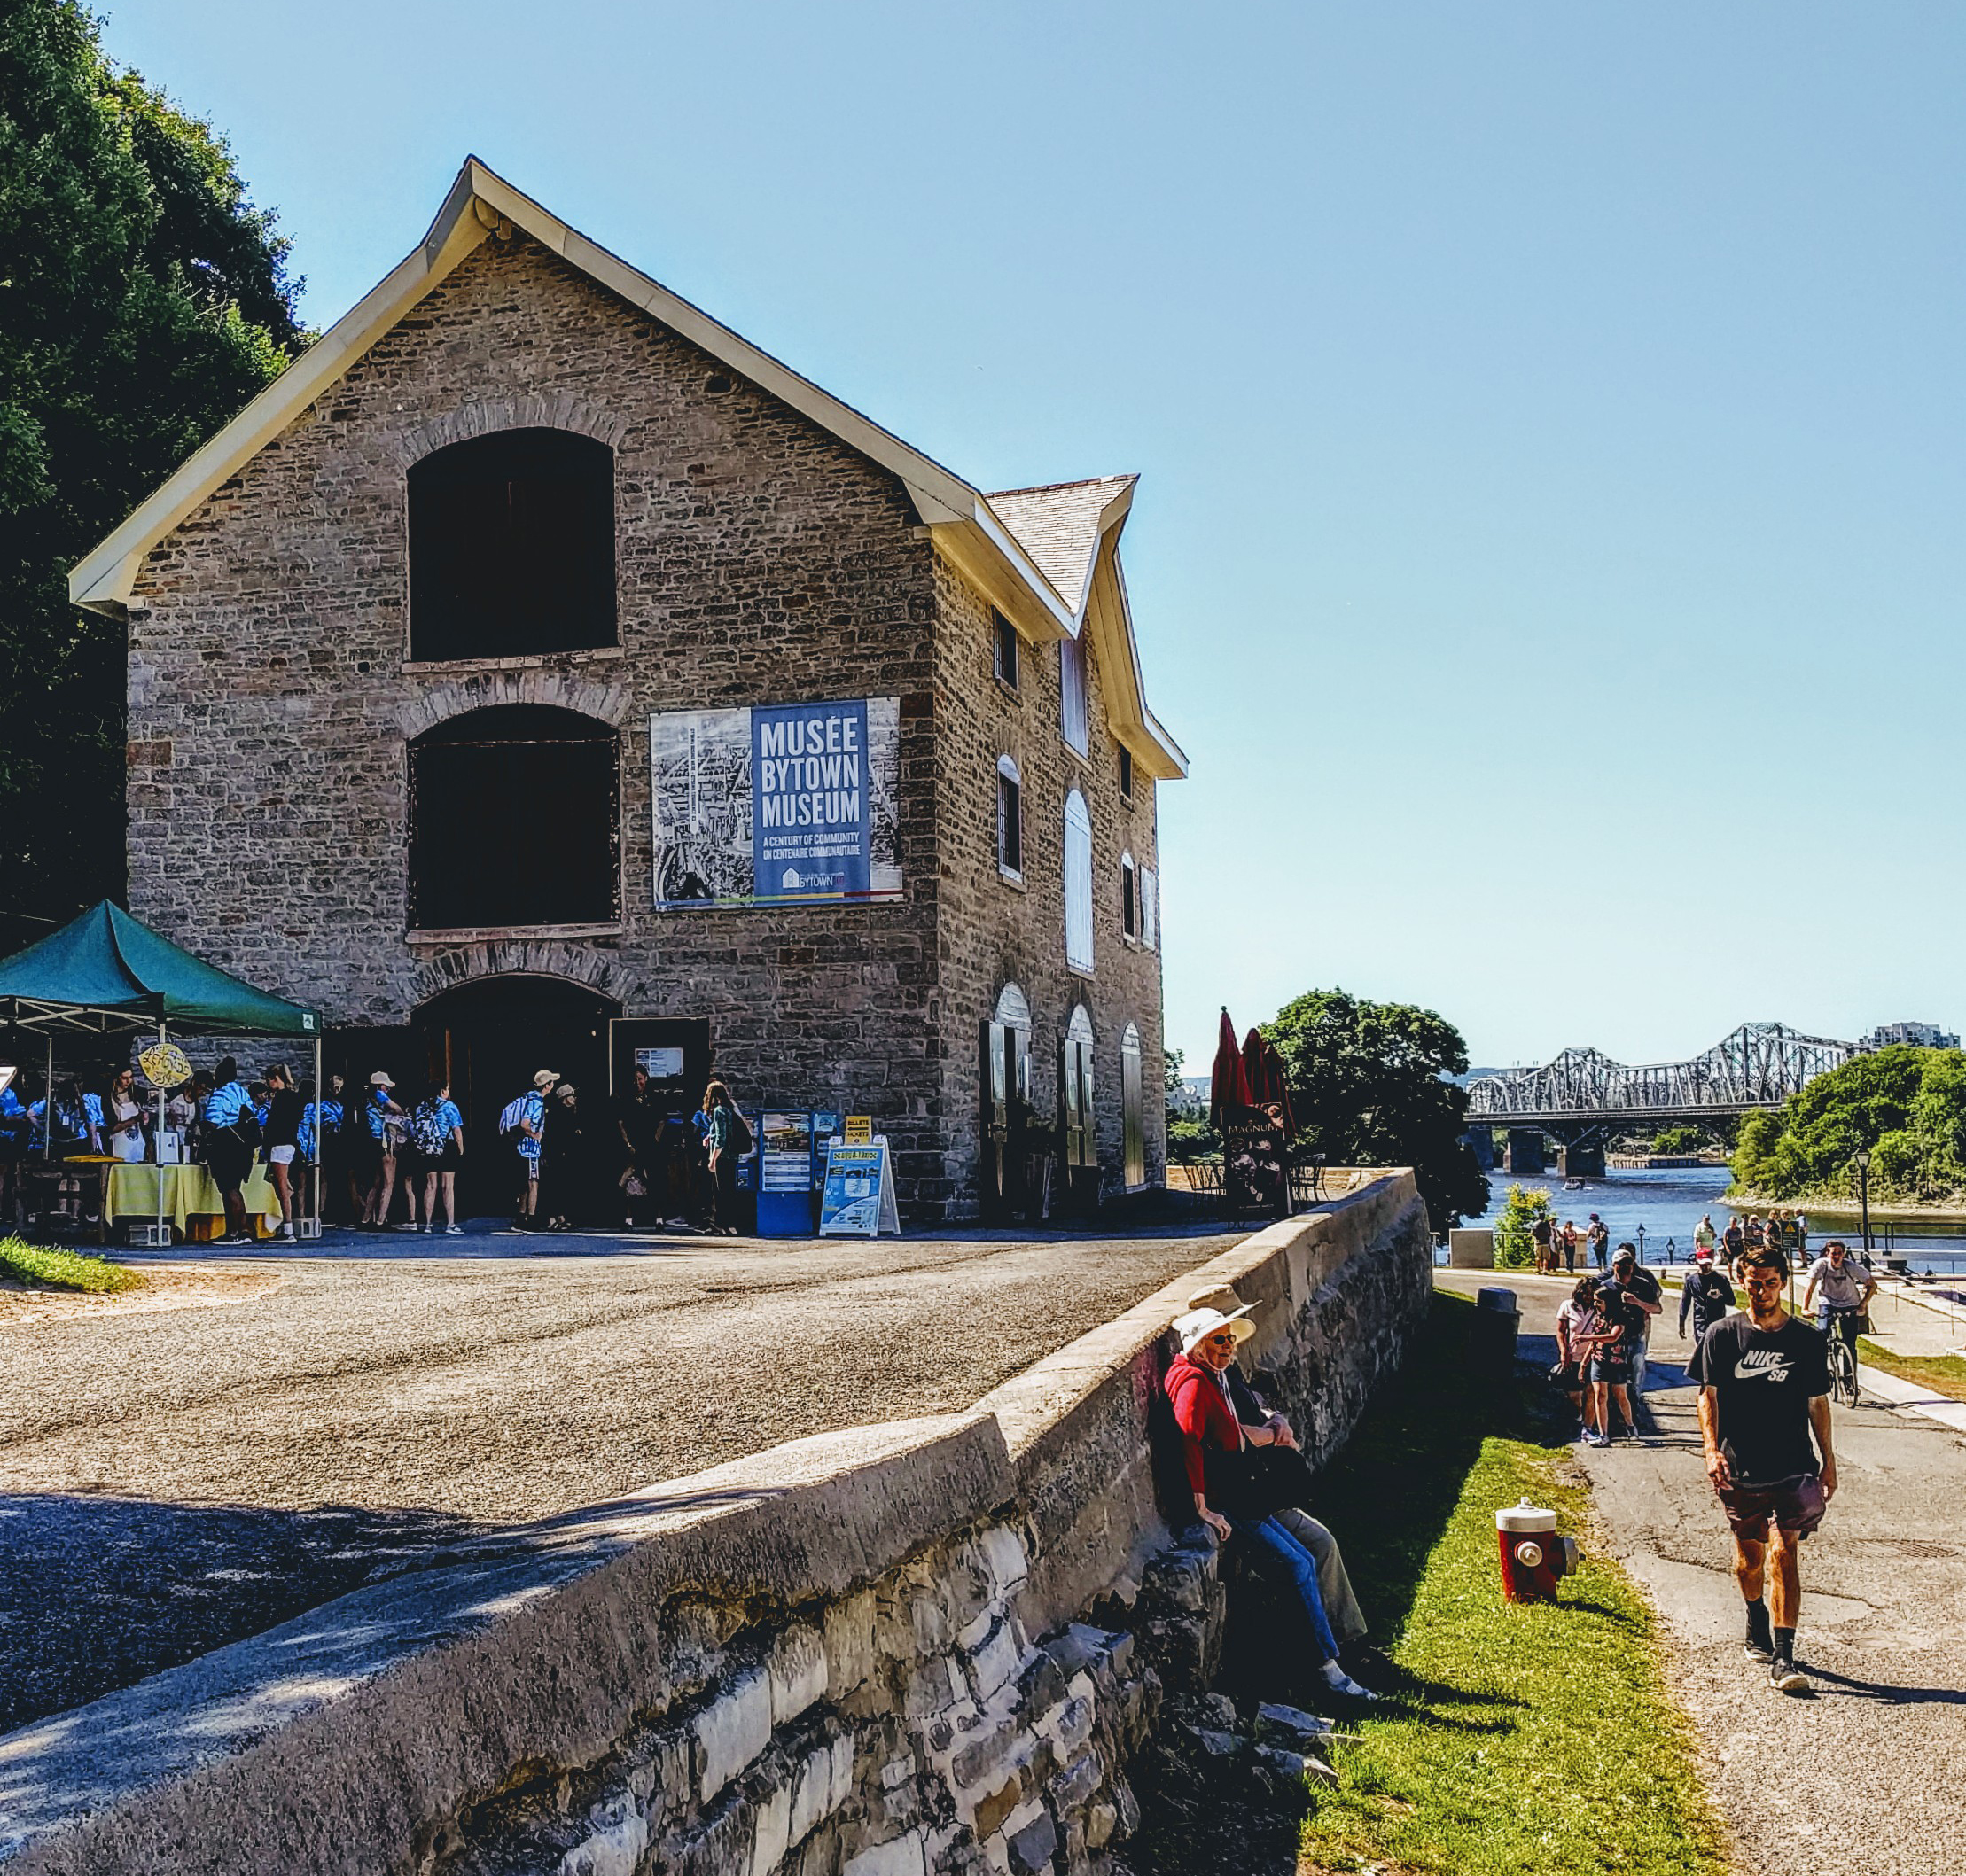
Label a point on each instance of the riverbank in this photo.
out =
(1848, 1212)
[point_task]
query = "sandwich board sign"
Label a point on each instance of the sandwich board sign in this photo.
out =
(859, 1195)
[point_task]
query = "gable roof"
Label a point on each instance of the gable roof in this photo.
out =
(1002, 559)
(1061, 525)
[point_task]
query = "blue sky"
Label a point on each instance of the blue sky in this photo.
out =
(1548, 548)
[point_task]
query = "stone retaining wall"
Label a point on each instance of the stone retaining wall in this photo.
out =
(929, 1646)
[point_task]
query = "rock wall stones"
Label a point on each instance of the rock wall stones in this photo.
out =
(272, 695)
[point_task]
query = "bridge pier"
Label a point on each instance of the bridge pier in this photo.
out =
(1523, 1153)
(1481, 1142)
(1581, 1160)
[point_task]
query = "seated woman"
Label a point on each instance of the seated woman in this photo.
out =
(1229, 1494)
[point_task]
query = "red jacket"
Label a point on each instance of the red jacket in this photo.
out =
(1211, 1434)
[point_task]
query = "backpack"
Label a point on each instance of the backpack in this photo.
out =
(741, 1141)
(512, 1114)
(428, 1131)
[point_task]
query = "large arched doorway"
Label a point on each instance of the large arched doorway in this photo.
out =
(489, 1038)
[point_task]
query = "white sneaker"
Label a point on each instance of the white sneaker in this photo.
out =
(1339, 1682)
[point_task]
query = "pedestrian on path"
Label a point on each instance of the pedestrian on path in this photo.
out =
(1542, 1233)
(439, 1130)
(283, 1141)
(1570, 1246)
(384, 1121)
(1641, 1300)
(524, 1124)
(1599, 1237)
(1577, 1318)
(1707, 1294)
(1705, 1237)
(1764, 1380)
(730, 1140)
(231, 1138)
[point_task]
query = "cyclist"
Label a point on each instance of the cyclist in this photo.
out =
(1763, 1392)
(1846, 1289)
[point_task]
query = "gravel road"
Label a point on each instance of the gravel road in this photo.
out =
(172, 1479)
(1866, 1773)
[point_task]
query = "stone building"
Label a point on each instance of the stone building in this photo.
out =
(538, 674)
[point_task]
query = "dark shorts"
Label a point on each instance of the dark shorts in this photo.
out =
(1796, 1504)
(1613, 1373)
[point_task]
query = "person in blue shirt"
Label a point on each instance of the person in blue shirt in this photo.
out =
(528, 1130)
(16, 1126)
(231, 1137)
(438, 1129)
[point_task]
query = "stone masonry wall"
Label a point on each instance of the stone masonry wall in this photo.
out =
(271, 699)
(926, 1647)
(996, 931)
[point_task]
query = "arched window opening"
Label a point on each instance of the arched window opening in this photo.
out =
(514, 820)
(1078, 884)
(1075, 1091)
(1133, 1109)
(511, 546)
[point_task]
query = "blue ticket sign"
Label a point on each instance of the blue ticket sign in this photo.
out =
(813, 805)
(859, 1198)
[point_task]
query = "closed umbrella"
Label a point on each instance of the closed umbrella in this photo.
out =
(1229, 1085)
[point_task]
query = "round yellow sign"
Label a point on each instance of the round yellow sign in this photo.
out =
(165, 1065)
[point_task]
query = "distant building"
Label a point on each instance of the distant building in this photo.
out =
(1919, 1035)
(1192, 1095)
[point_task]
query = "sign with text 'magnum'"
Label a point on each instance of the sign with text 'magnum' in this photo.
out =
(779, 804)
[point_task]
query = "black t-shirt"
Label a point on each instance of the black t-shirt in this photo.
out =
(282, 1119)
(1615, 1298)
(1763, 1380)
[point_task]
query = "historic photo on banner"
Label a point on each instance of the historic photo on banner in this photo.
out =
(787, 802)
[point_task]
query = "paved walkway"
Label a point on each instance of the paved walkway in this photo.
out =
(173, 1479)
(1870, 1774)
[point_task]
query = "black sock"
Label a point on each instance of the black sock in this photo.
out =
(1757, 1620)
(1784, 1644)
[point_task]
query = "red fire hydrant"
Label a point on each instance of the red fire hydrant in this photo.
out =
(1533, 1557)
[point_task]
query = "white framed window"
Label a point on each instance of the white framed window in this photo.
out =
(1133, 1109)
(1129, 898)
(1150, 909)
(1073, 718)
(1075, 1091)
(1009, 819)
(1078, 884)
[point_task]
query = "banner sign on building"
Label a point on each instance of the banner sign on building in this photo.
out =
(781, 804)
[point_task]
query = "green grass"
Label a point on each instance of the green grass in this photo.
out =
(22, 1262)
(1527, 1741)
(1942, 1373)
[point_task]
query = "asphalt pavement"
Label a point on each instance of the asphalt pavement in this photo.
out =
(1867, 1774)
(172, 1479)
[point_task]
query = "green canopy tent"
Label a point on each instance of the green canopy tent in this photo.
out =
(105, 971)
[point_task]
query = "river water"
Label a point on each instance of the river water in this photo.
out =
(1665, 1204)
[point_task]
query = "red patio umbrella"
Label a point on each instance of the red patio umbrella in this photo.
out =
(1229, 1085)
(1268, 1084)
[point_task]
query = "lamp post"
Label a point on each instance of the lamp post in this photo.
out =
(1861, 1159)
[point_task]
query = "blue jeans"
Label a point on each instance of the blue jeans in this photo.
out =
(1303, 1568)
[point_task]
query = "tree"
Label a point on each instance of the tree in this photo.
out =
(1515, 1244)
(1907, 1105)
(145, 302)
(1369, 1083)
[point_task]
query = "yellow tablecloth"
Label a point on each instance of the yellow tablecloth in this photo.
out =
(188, 1190)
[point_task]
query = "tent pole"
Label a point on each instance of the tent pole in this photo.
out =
(48, 1110)
(159, 1238)
(314, 1133)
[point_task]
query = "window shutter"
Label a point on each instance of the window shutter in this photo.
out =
(1078, 883)
(1072, 713)
(1150, 909)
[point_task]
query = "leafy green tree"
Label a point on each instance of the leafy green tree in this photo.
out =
(143, 301)
(1515, 1249)
(1369, 1083)
(1907, 1105)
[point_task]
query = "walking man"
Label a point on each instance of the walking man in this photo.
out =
(1543, 1234)
(1705, 1237)
(1599, 1238)
(1764, 1381)
(1639, 1292)
(1707, 1294)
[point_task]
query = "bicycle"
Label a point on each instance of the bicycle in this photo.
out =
(1843, 1356)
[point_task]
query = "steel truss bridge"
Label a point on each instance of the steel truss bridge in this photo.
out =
(1759, 1066)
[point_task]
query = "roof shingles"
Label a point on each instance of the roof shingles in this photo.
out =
(1058, 526)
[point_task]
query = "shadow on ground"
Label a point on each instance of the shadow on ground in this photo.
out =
(152, 1584)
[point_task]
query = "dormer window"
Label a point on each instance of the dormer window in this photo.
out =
(512, 547)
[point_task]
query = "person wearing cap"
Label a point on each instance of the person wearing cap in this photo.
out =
(1705, 1236)
(1637, 1294)
(384, 1121)
(1706, 1295)
(1230, 1495)
(528, 1116)
(1599, 1239)
(562, 1162)
(1284, 1460)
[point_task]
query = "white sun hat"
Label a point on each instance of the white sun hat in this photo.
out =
(1197, 1323)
